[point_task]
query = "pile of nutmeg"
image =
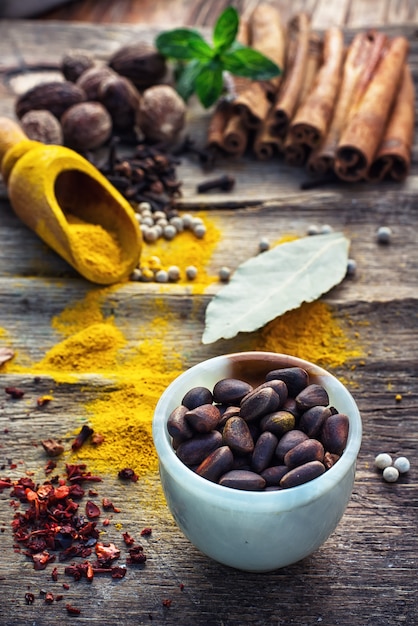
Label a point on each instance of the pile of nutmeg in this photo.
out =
(128, 95)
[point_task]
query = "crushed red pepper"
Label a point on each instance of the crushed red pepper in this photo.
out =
(52, 527)
(14, 392)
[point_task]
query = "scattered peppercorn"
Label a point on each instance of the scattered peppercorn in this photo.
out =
(383, 460)
(82, 437)
(224, 274)
(128, 474)
(14, 392)
(390, 474)
(384, 235)
(402, 464)
(263, 244)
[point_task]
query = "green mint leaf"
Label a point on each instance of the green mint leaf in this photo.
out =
(185, 84)
(226, 29)
(244, 61)
(209, 83)
(181, 43)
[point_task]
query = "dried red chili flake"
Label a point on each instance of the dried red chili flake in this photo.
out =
(29, 598)
(107, 504)
(49, 467)
(181, 587)
(49, 597)
(118, 572)
(146, 532)
(76, 491)
(93, 493)
(54, 574)
(41, 559)
(167, 602)
(136, 555)
(92, 510)
(72, 610)
(106, 521)
(89, 572)
(128, 539)
(65, 586)
(78, 473)
(14, 392)
(82, 437)
(58, 597)
(5, 483)
(97, 439)
(106, 552)
(128, 474)
(52, 447)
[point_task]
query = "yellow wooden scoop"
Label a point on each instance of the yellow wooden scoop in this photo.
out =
(70, 205)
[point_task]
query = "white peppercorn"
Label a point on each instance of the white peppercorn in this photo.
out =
(263, 244)
(390, 474)
(177, 222)
(224, 274)
(402, 464)
(161, 276)
(312, 229)
(187, 220)
(173, 273)
(169, 232)
(144, 206)
(384, 234)
(351, 267)
(326, 229)
(191, 272)
(150, 235)
(199, 231)
(383, 460)
(136, 274)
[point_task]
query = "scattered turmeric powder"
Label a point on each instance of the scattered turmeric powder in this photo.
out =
(310, 332)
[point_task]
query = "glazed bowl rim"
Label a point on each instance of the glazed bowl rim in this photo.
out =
(284, 499)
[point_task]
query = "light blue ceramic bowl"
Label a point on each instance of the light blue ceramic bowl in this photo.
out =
(255, 531)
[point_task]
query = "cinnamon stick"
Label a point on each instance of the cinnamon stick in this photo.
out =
(217, 124)
(266, 35)
(266, 143)
(368, 118)
(296, 152)
(314, 115)
(291, 87)
(394, 155)
(361, 60)
(235, 136)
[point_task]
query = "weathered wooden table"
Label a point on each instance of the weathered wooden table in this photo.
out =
(365, 574)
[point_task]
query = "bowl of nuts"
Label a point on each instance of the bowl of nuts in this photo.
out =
(257, 455)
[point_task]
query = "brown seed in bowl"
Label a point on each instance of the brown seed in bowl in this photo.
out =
(243, 479)
(230, 390)
(312, 395)
(216, 464)
(203, 418)
(302, 474)
(237, 436)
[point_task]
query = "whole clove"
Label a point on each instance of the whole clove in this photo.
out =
(148, 174)
(82, 437)
(223, 183)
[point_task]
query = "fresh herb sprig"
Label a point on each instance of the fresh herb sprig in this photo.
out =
(202, 65)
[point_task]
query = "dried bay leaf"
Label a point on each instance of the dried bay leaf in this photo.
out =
(276, 281)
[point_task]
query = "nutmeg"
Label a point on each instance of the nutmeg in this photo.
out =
(42, 126)
(162, 114)
(121, 99)
(55, 96)
(140, 62)
(86, 126)
(74, 63)
(90, 80)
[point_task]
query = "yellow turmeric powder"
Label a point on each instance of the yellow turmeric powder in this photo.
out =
(310, 332)
(96, 247)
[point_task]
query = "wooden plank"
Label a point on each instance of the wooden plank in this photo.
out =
(323, 17)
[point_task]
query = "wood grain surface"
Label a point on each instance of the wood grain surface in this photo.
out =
(365, 573)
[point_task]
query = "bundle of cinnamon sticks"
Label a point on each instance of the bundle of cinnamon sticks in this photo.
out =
(336, 108)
